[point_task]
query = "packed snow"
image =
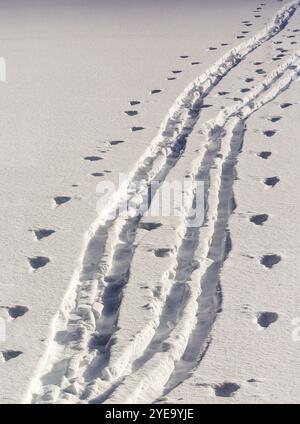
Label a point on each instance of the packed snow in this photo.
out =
(199, 305)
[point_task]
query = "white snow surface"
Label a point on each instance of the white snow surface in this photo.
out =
(124, 310)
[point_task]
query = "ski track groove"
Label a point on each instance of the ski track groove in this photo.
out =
(83, 306)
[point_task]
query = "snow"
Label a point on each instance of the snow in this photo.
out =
(104, 308)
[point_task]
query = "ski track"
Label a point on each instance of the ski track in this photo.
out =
(90, 309)
(163, 368)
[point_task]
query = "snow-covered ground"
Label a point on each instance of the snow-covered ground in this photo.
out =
(101, 309)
